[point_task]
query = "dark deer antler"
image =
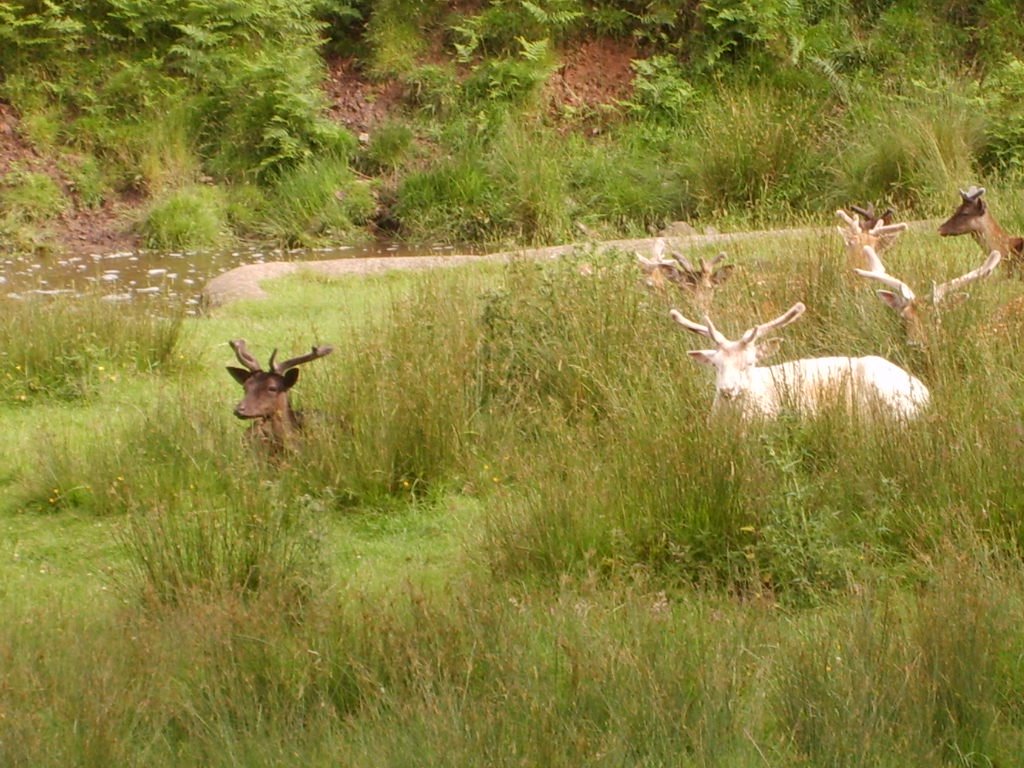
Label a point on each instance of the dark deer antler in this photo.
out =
(316, 352)
(243, 355)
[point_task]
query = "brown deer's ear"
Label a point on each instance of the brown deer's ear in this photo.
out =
(892, 300)
(722, 274)
(290, 377)
(239, 374)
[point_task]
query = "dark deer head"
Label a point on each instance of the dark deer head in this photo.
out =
(872, 219)
(266, 392)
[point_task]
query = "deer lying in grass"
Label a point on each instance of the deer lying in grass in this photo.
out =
(973, 218)
(807, 384)
(676, 269)
(903, 299)
(878, 231)
(266, 393)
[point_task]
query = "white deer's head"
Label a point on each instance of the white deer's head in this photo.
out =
(734, 361)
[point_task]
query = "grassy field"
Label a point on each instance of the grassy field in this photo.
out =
(511, 535)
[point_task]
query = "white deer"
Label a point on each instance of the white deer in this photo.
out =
(807, 384)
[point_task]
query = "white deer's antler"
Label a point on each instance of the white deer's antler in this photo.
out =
(707, 329)
(781, 321)
(904, 296)
(987, 268)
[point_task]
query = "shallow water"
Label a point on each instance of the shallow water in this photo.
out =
(162, 276)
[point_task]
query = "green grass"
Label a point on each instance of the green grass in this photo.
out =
(187, 218)
(511, 535)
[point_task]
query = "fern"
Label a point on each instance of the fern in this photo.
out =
(535, 51)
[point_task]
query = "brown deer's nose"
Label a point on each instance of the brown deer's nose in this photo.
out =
(241, 413)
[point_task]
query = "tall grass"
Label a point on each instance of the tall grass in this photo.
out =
(926, 147)
(622, 675)
(73, 348)
(186, 218)
(657, 587)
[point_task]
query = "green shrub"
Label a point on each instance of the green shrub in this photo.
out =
(505, 81)
(633, 182)
(754, 150)
(88, 181)
(456, 200)
(191, 217)
(924, 148)
(395, 33)
(389, 146)
(660, 91)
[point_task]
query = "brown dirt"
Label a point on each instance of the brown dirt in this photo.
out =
(594, 74)
(79, 229)
(356, 102)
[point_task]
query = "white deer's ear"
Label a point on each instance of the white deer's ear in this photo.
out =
(705, 356)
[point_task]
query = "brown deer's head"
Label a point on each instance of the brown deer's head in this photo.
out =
(901, 298)
(968, 218)
(872, 219)
(974, 218)
(675, 269)
(266, 392)
(863, 228)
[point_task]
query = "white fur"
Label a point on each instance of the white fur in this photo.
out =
(804, 385)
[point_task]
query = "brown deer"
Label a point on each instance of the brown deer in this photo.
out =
(266, 393)
(677, 270)
(905, 302)
(875, 230)
(974, 218)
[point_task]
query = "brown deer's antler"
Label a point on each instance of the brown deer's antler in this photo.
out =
(243, 355)
(315, 353)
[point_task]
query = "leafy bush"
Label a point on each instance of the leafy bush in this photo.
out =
(660, 91)
(925, 147)
(455, 200)
(754, 149)
(633, 183)
(505, 25)
(87, 180)
(389, 146)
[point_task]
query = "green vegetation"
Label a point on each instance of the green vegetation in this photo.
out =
(510, 532)
(736, 112)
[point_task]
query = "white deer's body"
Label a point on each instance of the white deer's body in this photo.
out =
(806, 385)
(809, 385)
